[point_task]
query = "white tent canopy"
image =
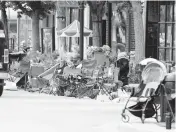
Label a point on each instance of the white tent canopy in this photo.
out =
(73, 30)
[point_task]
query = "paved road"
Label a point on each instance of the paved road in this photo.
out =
(32, 112)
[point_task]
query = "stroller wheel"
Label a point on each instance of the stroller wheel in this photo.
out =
(143, 118)
(125, 118)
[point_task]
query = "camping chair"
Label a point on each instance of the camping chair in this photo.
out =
(71, 74)
(80, 79)
(50, 75)
(97, 81)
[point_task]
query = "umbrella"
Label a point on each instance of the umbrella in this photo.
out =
(73, 30)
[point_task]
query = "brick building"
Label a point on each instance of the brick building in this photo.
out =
(159, 25)
(160, 30)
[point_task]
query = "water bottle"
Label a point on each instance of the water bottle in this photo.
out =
(168, 120)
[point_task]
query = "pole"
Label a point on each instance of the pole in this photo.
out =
(81, 44)
(9, 44)
(26, 31)
(109, 23)
(18, 29)
(162, 103)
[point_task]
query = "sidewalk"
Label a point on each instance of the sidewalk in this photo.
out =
(136, 125)
(56, 108)
(150, 125)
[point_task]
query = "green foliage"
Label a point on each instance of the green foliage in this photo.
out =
(96, 6)
(30, 7)
(124, 6)
(4, 4)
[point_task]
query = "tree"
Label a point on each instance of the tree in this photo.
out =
(139, 31)
(97, 10)
(36, 10)
(3, 6)
(123, 9)
(123, 12)
(61, 11)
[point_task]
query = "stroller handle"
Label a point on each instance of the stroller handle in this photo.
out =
(132, 92)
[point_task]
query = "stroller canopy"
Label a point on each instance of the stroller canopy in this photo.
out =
(154, 72)
(147, 60)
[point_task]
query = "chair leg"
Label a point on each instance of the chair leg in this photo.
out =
(156, 117)
(106, 92)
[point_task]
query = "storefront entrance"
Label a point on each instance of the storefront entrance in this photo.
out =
(160, 40)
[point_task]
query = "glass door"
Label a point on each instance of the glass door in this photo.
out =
(152, 29)
(166, 24)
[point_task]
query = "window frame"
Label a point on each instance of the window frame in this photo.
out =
(166, 23)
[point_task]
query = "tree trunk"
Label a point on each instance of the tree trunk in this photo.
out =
(35, 31)
(61, 23)
(5, 23)
(139, 32)
(114, 33)
(97, 31)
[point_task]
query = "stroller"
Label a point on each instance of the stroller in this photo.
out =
(147, 93)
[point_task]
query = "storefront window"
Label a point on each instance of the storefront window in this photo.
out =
(162, 13)
(169, 35)
(169, 13)
(161, 54)
(162, 35)
(168, 55)
(166, 49)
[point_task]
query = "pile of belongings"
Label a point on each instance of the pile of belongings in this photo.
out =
(79, 80)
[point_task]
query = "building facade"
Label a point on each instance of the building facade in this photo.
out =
(159, 25)
(158, 18)
(160, 30)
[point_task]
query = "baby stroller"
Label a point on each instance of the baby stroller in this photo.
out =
(148, 91)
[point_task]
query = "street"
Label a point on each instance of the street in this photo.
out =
(22, 111)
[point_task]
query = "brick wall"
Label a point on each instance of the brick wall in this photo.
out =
(130, 35)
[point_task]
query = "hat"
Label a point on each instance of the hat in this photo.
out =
(122, 55)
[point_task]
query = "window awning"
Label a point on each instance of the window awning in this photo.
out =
(68, 4)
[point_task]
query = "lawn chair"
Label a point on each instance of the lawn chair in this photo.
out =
(50, 75)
